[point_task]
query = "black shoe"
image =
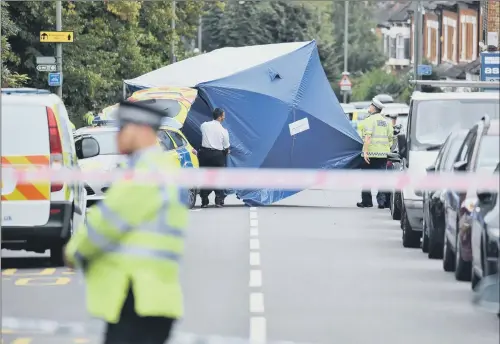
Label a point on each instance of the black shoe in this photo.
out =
(381, 206)
(204, 205)
(362, 205)
(219, 205)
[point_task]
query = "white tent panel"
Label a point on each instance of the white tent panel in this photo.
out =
(214, 65)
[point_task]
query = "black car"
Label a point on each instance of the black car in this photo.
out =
(485, 237)
(433, 221)
(479, 152)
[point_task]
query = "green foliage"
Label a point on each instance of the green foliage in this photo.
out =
(114, 40)
(376, 82)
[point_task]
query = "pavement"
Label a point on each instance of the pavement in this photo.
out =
(312, 269)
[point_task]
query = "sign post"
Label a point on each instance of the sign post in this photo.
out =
(345, 85)
(490, 67)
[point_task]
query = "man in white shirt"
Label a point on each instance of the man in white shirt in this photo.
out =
(213, 152)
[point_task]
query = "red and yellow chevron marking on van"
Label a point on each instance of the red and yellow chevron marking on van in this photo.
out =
(27, 191)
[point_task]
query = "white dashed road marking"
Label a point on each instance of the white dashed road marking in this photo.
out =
(258, 324)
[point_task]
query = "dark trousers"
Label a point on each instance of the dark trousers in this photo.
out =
(366, 195)
(134, 329)
(212, 158)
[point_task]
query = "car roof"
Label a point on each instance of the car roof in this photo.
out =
(417, 95)
(43, 99)
(348, 107)
(110, 128)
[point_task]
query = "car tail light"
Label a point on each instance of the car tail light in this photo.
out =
(194, 152)
(389, 164)
(56, 157)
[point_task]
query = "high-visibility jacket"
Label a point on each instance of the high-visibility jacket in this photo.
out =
(381, 135)
(88, 118)
(134, 239)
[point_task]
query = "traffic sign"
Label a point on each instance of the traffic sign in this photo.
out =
(57, 36)
(55, 79)
(424, 70)
(490, 67)
(49, 60)
(345, 84)
(46, 67)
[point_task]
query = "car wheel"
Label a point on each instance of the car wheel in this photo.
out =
(192, 198)
(411, 238)
(395, 210)
(475, 279)
(435, 250)
(425, 238)
(462, 268)
(448, 257)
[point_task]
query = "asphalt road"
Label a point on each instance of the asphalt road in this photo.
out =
(315, 269)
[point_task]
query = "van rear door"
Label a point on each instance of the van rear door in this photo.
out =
(25, 143)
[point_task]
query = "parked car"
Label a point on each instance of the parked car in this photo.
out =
(479, 152)
(432, 117)
(433, 222)
(170, 138)
(485, 237)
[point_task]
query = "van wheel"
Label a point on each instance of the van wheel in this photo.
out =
(192, 198)
(448, 257)
(395, 211)
(411, 238)
(57, 250)
(435, 249)
(474, 280)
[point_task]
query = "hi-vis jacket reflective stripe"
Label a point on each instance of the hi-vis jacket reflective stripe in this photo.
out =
(381, 133)
(134, 238)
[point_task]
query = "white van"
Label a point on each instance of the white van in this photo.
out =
(36, 130)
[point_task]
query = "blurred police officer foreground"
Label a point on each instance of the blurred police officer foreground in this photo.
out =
(131, 243)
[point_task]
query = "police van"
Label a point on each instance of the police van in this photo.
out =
(36, 131)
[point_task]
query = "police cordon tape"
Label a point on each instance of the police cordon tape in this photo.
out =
(283, 179)
(56, 328)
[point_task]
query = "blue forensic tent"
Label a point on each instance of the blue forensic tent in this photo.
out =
(281, 111)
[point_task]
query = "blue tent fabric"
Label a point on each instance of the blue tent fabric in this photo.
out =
(281, 113)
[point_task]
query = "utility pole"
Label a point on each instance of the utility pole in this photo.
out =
(346, 43)
(59, 58)
(417, 39)
(172, 43)
(200, 33)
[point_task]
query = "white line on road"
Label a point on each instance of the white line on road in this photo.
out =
(254, 258)
(258, 329)
(255, 278)
(254, 244)
(258, 324)
(256, 303)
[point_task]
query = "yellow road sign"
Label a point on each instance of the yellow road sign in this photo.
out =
(57, 36)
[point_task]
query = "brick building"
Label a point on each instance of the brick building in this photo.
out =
(490, 12)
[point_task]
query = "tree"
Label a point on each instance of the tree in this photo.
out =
(9, 29)
(378, 82)
(113, 41)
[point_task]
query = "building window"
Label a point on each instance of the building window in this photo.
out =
(407, 48)
(400, 47)
(429, 40)
(386, 45)
(392, 48)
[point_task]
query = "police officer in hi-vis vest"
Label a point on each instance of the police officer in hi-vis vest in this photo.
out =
(131, 243)
(378, 137)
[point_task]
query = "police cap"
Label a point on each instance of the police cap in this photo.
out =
(377, 103)
(136, 113)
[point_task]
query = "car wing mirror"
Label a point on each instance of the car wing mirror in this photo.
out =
(431, 168)
(460, 166)
(87, 147)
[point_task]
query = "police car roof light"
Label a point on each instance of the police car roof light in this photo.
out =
(24, 90)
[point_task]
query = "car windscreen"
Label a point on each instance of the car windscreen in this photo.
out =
(489, 153)
(170, 106)
(107, 142)
(434, 120)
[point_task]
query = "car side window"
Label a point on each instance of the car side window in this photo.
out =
(165, 140)
(178, 139)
